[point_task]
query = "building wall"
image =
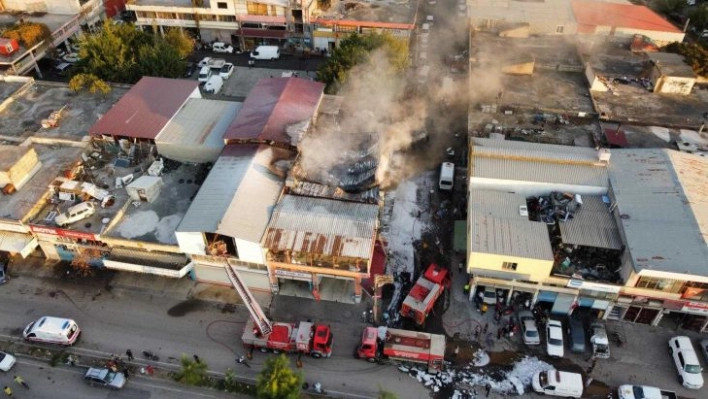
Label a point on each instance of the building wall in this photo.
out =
(593, 80)
(250, 251)
(20, 171)
(674, 85)
(114, 7)
(536, 269)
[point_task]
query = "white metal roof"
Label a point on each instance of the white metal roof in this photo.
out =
(323, 226)
(217, 191)
(541, 163)
(592, 225)
(238, 194)
(250, 209)
(662, 198)
(497, 227)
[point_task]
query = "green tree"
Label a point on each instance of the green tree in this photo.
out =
(89, 82)
(181, 41)
(278, 380)
(357, 49)
(699, 18)
(28, 33)
(669, 6)
(123, 53)
(192, 372)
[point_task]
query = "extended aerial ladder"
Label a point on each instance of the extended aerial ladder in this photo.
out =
(263, 324)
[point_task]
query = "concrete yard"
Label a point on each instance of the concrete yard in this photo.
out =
(23, 116)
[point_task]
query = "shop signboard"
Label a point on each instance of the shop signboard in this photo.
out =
(695, 307)
(591, 286)
(293, 275)
(78, 235)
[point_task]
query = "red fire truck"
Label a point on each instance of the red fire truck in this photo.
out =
(388, 344)
(305, 338)
(425, 292)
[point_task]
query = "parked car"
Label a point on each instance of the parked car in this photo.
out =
(558, 383)
(490, 296)
(599, 341)
(221, 47)
(643, 392)
(105, 378)
(6, 361)
(686, 361)
(529, 331)
(704, 348)
(576, 335)
(75, 213)
(3, 272)
(71, 58)
(226, 70)
(554, 338)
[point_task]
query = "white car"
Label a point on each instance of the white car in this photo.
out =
(529, 331)
(226, 70)
(71, 58)
(554, 338)
(686, 361)
(221, 47)
(6, 361)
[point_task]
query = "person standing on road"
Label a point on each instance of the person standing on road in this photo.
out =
(8, 391)
(488, 389)
(129, 353)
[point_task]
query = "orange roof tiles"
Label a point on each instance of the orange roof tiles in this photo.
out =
(590, 14)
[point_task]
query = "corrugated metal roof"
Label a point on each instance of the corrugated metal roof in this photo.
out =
(216, 193)
(662, 199)
(542, 163)
(272, 105)
(600, 13)
(540, 172)
(592, 225)
(524, 239)
(249, 212)
(497, 227)
(322, 226)
(146, 108)
(200, 122)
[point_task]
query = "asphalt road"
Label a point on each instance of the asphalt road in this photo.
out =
(115, 321)
(66, 383)
(286, 61)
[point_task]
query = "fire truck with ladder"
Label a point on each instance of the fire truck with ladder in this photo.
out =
(384, 344)
(304, 338)
(425, 292)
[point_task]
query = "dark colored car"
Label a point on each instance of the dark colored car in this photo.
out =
(576, 335)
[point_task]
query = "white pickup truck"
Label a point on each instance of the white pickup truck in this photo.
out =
(212, 63)
(643, 392)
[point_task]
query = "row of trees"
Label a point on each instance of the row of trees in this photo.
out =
(276, 381)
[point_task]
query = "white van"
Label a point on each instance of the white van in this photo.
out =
(214, 85)
(425, 28)
(52, 330)
(558, 383)
(75, 213)
(447, 176)
(204, 74)
(266, 53)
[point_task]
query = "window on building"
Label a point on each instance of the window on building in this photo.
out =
(509, 266)
(695, 291)
(560, 29)
(221, 5)
(257, 9)
(660, 284)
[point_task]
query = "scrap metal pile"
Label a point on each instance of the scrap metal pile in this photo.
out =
(554, 207)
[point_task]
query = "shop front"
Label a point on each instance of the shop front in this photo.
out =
(211, 270)
(687, 315)
(594, 298)
(637, 309)
(319, 285)
(62, 244)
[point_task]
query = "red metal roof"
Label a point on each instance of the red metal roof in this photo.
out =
(590, 14)
(273, 105)
(146, 108)
(616, 138)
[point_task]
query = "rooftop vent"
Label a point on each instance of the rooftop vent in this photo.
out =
(603, 154)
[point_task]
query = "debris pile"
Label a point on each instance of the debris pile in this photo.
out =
(554, 207)
(472, 380)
